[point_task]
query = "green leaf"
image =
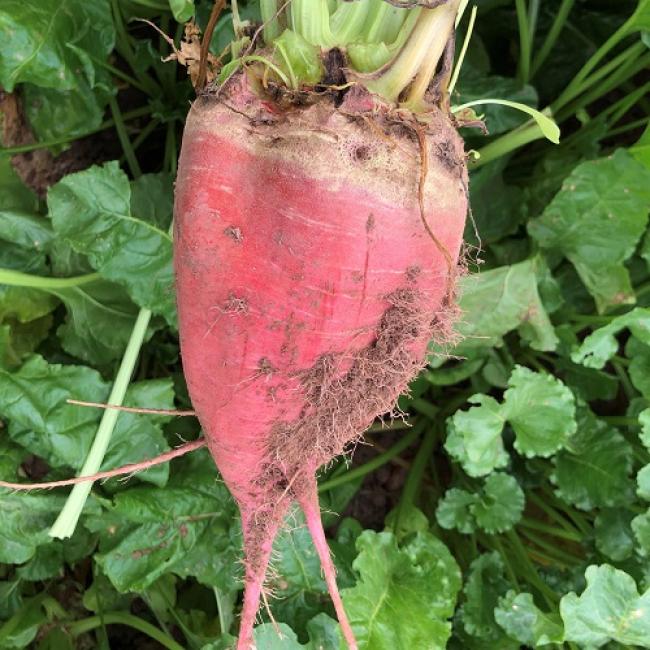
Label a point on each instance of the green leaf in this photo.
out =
(522, 620)
(33, 398)
(485, 585)
(614, 536)
(643, 483)
(500, 504)
(496, 302)
(644, 421)
(91, 210)
(100, 317)
(49, 43)
(25, 229)
(593, 471)
(496, 508)
(547, 126)
(152, 199)
(641, 149)
(474, 437)
(21, 629)
(497, 207)
(55, 48)
(541, 410)
(183, 10)
(26, 519)
(14, 194)
(609, 609)
(419, 579)
(324, 633)
(601, 345)
(185, 529)
(297, 579)
(639, 368)
(280, 637)
(641, 528)
(474, 85)
(596, 221)
(453, 511)
(54, 114)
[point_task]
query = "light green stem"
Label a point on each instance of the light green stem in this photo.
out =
(552, 36)
(18, 279)
(66, 522)
(122, 618)
(525, 45)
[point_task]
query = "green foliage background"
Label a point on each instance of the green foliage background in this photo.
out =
(524, 520)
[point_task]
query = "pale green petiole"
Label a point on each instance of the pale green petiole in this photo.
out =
(66, 522)
(548, 127)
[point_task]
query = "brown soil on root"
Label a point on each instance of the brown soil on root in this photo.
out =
(343, 394)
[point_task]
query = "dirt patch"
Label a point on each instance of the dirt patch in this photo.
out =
(39, 169)
(234, 233)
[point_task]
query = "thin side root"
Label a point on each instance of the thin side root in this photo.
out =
(131, 409)
(257, 550)
(311, 508)
(119, 471)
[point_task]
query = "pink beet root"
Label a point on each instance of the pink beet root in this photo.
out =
(308, 290)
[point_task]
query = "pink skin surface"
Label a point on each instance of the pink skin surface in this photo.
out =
(274, 269)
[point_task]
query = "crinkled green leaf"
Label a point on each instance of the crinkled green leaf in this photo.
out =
(614, 537)
(500, 504)
(609, 609)
(593, 471)
(641, 528)
(474, 437)
(92, 211)
(186, 529)
(541, 410)
(644, 421)
(418, 579)
(484, 586)
(596, 221)
(639, 368)
(453, 511)
(496, 302)
(643, 483)
(601, 345)
(522, 620)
